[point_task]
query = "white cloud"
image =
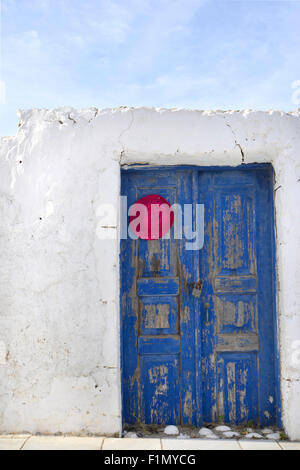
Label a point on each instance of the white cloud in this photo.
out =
(28, 40)
(105, 20)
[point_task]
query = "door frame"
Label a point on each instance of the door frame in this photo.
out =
(244, 167)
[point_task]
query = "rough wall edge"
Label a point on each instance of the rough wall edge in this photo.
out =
(70, 115)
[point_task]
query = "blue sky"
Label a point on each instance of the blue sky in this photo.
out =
(205, 54)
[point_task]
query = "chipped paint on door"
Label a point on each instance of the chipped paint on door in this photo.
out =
(158, 340)
(198, 328)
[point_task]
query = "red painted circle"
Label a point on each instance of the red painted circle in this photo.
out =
(152, 221)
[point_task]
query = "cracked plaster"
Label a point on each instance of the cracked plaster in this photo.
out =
(59, 284)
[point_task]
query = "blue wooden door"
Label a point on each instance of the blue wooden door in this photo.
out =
(158, 354)
(238, 328)
(189, 358)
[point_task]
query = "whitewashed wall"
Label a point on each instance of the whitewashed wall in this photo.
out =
(59, 284)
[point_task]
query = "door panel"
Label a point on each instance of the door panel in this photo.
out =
(237, 387)
(160, 388)
(159, 315)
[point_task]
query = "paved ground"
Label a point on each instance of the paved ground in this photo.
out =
(27, 442)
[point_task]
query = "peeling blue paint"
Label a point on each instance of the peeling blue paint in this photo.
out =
(186, 358)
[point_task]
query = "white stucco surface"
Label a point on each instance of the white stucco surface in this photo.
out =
(59, 284)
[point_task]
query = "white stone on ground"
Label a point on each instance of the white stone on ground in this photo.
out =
(230, 434)
(205, 432)
(253, 435)
(222, 428)
(171, 431)
(275, 436)
(267, 431)
(183, 436)
(131, 435)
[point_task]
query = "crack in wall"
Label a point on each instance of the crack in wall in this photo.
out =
(124, 132)
(72, 119)
(236, 142)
